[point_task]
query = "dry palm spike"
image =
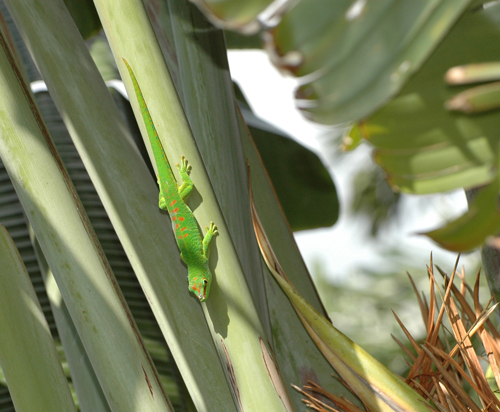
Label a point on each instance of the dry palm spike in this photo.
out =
(445, 368)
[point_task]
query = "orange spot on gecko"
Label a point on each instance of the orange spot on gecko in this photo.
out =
(186, 234)
(173, 219)
(181, 218)
(174, 210)
(194, 286)
(177, 226)
(173, 203)
(183, 229)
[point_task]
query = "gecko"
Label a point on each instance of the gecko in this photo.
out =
(172, 198)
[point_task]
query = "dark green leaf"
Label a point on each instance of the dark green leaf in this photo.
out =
(302, 183)
(85, 16)
(238, 41)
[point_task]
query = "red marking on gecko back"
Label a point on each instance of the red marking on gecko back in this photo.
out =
(177, 226)
(173, 202)
(174, 210)
(186, 234)
(173, 219)
(181, 219)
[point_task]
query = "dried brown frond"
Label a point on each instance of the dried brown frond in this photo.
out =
(413, 342)
(313, 403)
(403, 348)
(317, 405)
(443, 383)
(446, 369)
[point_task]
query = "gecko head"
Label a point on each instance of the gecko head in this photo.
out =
(200, 285)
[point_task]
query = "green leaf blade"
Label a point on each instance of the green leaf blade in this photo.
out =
(471, 229)
(25, 340)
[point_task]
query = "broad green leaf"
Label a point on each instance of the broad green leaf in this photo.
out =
(359, 54)
(441, 183)
(420, 162)
(25, 340)
(426, 148)
(477, 224)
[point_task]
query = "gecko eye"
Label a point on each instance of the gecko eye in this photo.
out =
(203, 295)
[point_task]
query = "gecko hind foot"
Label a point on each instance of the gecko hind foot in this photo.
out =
(211, 231)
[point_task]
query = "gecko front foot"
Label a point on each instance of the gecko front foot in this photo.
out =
(212, 229)
(184, 167)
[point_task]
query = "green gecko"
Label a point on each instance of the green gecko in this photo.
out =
(194, 251)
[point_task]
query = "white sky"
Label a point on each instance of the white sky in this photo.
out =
(345, 247)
